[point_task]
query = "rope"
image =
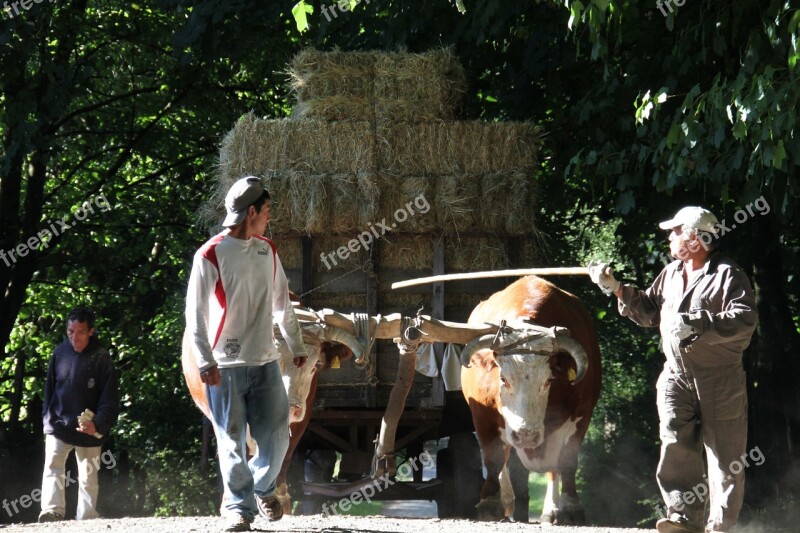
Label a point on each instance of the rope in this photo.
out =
(361, 328)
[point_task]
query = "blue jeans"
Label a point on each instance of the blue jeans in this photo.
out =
(254, 396)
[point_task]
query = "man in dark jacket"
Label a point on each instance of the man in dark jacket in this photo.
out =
(706, 309)
(81, 405)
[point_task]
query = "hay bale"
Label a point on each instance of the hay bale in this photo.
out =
(333, 85)
(493, 202)
(369, 197)
(340, 301)
(418, 87)
(327, 245)
(403, 200)
(279, 186)
(407, 302)
(474, 254)
(406, 252)
(290, 252)
(457, 148)
(314, 74)
(414, 149)
(520, 204)
(457, 202)
(377, 85)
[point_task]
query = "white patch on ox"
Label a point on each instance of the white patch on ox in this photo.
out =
(553, 446)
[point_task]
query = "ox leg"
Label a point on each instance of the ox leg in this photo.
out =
(494, 459)
(506, 493)
(296, 431)
(519, 484)
(551, 498)
(570, 510)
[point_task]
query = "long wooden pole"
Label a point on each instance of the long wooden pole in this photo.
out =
(553, 271)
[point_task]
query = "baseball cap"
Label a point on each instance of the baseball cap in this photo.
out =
(694, 217)
(240, 196)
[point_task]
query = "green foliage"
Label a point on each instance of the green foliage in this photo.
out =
(176, 487)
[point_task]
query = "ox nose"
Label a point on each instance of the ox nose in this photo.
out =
(527, 437)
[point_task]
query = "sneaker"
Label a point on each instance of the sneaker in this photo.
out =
(269, 507)
(672, 526)
(237, 523)
(50, 516)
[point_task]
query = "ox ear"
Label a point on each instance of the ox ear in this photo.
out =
(489, 361)
(563, 367)
(330, 351)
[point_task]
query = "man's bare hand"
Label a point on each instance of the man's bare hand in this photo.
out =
(210, 376)
(87, 427)
(300, 361)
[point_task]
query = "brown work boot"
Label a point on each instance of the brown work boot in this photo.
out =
(236, 522)
(269, 507)
(674, 526)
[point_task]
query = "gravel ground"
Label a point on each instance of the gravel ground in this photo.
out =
(306, 524)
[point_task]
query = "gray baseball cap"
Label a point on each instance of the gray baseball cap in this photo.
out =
(694, 217)
(240, 196)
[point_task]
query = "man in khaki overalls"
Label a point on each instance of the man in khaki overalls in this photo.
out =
(705, 308)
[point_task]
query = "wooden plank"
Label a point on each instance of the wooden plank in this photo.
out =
(332, 438)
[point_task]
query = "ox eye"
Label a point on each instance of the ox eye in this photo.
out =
(504, 381)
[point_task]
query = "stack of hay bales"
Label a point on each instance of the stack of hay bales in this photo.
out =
(371, 132)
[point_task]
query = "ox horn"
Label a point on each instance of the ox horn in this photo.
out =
(541, 340)
(567, 343)
(527, 339)
(334, 334)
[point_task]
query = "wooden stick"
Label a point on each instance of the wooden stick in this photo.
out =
(554, 271)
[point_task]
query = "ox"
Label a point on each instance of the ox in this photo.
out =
(532, 399)
(323, 345)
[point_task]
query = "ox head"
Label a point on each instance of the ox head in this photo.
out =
(323, 345)
(529, 358)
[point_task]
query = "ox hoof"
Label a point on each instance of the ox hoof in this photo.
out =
(490, 510)
(282, 495)
(548, 518)
(570, 517)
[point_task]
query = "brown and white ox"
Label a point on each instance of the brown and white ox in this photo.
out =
(324, 344)
(527, 401)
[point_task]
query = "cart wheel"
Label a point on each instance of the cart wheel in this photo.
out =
(459, 469)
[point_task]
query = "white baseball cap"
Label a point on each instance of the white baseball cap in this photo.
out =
(694, 217)
(241, 195)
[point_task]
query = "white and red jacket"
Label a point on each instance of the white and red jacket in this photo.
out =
(236, 289)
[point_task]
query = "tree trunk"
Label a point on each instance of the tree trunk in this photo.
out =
(773, 370)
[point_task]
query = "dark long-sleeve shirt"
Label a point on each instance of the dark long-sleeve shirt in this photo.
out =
(721, 307)
(78, 381)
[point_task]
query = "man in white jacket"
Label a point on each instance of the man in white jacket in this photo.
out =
(236, 289)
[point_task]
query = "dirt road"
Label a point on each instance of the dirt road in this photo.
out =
(304, 524)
